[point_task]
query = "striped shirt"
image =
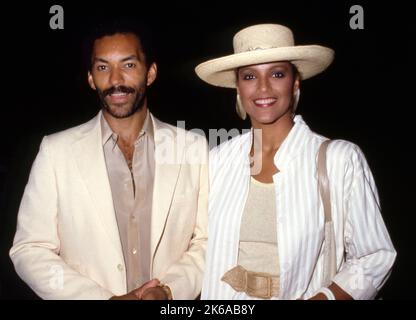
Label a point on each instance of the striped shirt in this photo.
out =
(364, 251)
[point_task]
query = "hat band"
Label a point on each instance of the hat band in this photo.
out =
(255, 48)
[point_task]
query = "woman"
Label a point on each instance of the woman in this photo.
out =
(267, 236)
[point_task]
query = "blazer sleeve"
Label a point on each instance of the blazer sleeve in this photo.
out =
(369, 251)
(36, 246)
(184, 277)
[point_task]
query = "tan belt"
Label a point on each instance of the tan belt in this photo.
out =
(255, 284)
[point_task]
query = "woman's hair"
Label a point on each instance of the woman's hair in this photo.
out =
(295, 71)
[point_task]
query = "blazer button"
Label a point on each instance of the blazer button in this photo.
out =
(120, 267)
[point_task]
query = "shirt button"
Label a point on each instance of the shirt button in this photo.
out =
(134, 251)
(120, 267)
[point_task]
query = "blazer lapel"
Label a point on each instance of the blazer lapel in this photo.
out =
(89, 156)
(169, 151)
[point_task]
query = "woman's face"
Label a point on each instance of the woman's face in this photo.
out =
(266, 91)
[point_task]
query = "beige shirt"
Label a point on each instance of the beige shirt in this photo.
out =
(258, 249)
(132, 197)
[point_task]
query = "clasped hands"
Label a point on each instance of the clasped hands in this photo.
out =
(148, 291)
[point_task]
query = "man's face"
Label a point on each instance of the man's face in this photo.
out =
(119, 74)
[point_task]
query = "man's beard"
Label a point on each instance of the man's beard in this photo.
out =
(120, 111)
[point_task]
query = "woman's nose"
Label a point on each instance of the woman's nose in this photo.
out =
(263, 84)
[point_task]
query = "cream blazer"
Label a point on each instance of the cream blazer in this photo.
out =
(67, 243)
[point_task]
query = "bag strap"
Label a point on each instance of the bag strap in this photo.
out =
(323, 181)
(329, 269)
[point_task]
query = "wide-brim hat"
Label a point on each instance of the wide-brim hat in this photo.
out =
(265, 43)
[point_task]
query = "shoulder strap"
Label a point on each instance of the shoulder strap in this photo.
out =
(323, 182)
(329, 243)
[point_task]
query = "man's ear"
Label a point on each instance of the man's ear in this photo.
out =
(151, 74)
(91, 81)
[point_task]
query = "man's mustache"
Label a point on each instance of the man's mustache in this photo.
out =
(118, 89)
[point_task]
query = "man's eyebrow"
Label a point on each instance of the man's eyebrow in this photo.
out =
(132, 57)
(99, 60)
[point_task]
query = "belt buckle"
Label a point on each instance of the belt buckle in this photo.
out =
(268, 289)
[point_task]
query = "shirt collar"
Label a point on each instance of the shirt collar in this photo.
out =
(147, 126)
(293, 143)
(107, 134)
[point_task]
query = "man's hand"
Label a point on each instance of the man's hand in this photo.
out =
(129, 296)
(136, 294)
(156, 293)
(152, 284)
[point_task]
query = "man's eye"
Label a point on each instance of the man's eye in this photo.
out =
(278, 74)
(248, 77)
(130, 65)
(101, 68)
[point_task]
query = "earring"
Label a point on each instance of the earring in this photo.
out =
(240, 109)
(295, 101)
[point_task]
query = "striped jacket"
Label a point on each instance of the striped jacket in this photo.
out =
(364, 251)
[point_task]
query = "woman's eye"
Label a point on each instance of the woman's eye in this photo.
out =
(278, 74)
(248, 77)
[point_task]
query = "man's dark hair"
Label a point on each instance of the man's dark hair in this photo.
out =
(122, 26)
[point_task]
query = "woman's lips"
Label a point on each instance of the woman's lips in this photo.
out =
(264, 102)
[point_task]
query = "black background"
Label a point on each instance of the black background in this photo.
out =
(366, 96)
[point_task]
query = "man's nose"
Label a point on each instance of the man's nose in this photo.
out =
(116, 78)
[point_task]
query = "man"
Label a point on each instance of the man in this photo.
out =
(112, 208)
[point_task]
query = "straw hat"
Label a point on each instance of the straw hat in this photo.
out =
(265, 43)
